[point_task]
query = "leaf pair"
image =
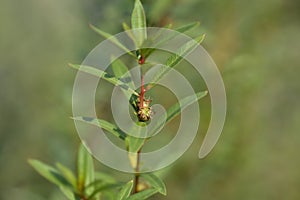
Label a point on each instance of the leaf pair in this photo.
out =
(134, 143)
(175, 59)
(156, 185)
(62, 177)
(74, 187)
(138, 31)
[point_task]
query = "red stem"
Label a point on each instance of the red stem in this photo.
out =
(142, 92)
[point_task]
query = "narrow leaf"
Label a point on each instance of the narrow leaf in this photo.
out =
(177, 108)
(120, 69)
(50, 173)
(67, 174)
(102, 74)
(90, 174)
(122, 73)
(101, 179)
(129, 32)
(133, 156)
(155, 182)
(108, 195)
(133, 143)
(85, 168)
(134, 102)
(143, 194)
(112, 39)
(105, 187)
(105, 177)
(138, 23)
(177, 58)
(187, 27)
(103, 124)
(168, 37)
(184, 50)
(68, 193)
(125, 191)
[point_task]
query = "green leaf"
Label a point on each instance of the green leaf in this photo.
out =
(138, 23)
(112, 39)
(126, 27)
(108, 195)
(133, 143)
(85, 168)
(175, 59)
(155, 182)
(67, 174)
(102, 74)
(50, 173)
(102, 188)
(184, 50)
(125, 191)
(143, 194)
(134, 102)
(187, 27)
(120, 69)
(181, 29)
(133, 158)
(122, 73)
(168, 37)
(68, 193)
(105, 177)
(176, 109)
(104, 125)
(101, 179)
(129, 32)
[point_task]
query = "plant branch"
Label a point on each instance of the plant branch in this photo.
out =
(83, 198)
(137, 172)
(141, 61)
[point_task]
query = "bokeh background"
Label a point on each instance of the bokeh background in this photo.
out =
(255, 44)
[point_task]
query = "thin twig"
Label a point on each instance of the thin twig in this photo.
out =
(137, 172)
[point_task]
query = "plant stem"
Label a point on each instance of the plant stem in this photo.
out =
(141, 98)
(142, 93)
(83, 198)
(137, 172)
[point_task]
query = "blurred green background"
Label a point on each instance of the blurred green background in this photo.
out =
(255, 44)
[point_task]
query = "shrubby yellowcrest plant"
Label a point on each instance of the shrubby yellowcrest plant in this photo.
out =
(88, 184)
